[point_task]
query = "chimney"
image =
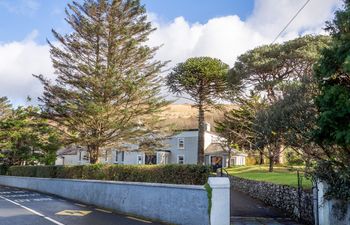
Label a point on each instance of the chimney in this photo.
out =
(207, 126)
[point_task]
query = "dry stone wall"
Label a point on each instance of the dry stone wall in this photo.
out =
(283, 197)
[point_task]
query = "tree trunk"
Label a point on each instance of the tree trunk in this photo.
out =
(201, 130)
(271, 161)
(261, 157)
(229, 159)
(94, 153)
(278, 152)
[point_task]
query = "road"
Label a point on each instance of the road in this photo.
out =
(23, 207)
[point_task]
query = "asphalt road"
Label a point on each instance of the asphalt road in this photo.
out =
(23, 207)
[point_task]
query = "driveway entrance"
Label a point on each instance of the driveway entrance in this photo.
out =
(248, 211)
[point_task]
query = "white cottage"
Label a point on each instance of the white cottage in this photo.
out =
(181, 148)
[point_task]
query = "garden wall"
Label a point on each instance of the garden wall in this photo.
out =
(283, 197)
(171, 203)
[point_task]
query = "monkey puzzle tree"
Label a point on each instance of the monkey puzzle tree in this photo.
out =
(203, 79)
(107, 87)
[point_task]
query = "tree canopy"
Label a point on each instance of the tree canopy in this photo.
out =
(107, 90)
(266, 67)
(27, 139)
(203, 79)
(333, 102)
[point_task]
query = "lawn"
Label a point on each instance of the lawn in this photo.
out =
(281, 175)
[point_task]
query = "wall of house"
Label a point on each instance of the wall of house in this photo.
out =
(190, 150)
(238, 160)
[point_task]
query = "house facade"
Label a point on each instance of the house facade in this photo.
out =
(180, 148)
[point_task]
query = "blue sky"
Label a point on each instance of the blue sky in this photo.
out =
(18, 18)
(223, 29)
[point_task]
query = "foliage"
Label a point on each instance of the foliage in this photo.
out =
(107, 91)
(333, 123)
(172, 174)
(5, 108)
(237, 126)
(203, 79)
(265, 68)
(27, 139)
(294, 158)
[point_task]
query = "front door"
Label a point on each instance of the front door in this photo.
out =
(150, 159)
(216, 161)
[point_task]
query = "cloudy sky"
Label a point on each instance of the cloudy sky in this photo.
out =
(218, 28)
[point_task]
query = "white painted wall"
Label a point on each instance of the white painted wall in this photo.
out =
(220, 210)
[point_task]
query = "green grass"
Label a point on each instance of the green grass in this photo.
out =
(281, 175)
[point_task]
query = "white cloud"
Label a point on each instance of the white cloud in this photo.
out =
(227, 37)
(19, 60)
(223, 37)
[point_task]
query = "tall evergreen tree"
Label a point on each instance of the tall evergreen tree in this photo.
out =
(108, 85)
(204, 80)
(333, 123)
(5, 107)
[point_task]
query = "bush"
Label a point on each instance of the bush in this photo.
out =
(3, 169)
(171, 174)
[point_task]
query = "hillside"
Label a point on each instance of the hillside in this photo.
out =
(184, 116)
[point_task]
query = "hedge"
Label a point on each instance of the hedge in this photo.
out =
(3, 169)
(171, 174)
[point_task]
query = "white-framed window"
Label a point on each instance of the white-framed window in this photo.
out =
(139, 159)
(181, 143)
(123, 156)
(180, 159)
(79, 155)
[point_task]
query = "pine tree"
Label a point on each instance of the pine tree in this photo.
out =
(108, 86)
(5, 107)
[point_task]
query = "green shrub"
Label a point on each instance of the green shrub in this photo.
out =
(172, 174)
(3, 169)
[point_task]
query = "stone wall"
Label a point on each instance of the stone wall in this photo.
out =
(283, 197)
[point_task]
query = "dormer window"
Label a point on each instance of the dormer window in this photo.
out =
(181, 143)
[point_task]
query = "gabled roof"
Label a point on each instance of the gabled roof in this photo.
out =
(71, 150)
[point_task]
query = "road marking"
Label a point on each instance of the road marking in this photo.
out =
(102, 210)
(73, 213)
(137, 219)
(32, 211)
(81, 205)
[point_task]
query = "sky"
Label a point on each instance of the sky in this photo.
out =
(186, 28)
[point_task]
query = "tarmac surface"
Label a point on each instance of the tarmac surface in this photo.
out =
(248, 211)
(24, 207)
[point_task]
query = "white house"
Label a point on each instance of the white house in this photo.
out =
(181, 148)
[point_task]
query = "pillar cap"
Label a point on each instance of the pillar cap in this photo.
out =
(219, 182)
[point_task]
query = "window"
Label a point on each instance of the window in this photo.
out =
(181, 143)
(79, 155)
(116, 156)
(122, 156)
(139, 159)
(180, 159)
(106, 155)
